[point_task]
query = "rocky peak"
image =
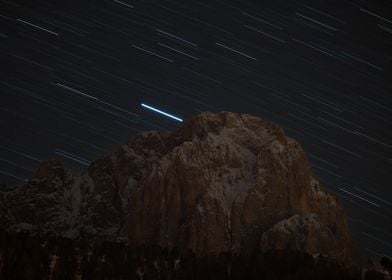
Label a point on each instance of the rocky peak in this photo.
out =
(222, 182)
(50, 169)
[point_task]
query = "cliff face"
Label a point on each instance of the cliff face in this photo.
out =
(222, 182)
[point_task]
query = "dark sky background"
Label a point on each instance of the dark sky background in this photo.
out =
(73, 75)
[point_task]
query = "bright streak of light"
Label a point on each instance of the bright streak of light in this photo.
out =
(161, 112)
(374, 196)
(357, 196)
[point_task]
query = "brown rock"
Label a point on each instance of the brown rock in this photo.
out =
(222, 182)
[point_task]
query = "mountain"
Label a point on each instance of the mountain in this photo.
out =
(222, 182)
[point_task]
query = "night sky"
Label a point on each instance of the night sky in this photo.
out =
(73, 76)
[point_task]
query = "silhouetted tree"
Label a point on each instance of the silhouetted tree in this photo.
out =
(386, 263)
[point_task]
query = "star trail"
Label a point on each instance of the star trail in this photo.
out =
(79, 78)
(161, 112)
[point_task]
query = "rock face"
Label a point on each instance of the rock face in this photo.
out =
(222, 182)
(301, 231)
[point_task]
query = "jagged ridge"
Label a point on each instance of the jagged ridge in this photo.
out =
(222, 182)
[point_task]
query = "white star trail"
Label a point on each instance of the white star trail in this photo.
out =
(264, 33)
(76, 91)
(235, 51)
(175, 50)
(124, 4)
(161, 112)
(176, 37)
(152, 53)
(36, 26)
(359, 197)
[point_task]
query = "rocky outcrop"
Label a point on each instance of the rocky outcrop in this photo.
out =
(301, 233)
(222, 182)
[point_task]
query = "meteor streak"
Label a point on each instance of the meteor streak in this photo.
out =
(161, 112)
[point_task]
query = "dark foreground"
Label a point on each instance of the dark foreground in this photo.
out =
(25, 257)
